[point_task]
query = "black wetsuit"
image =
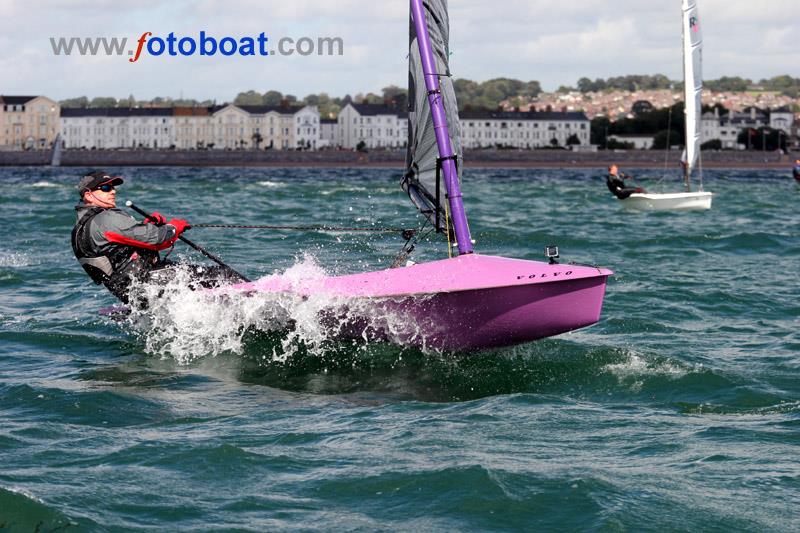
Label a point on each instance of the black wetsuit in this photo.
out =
(114, 250)
(617, 186)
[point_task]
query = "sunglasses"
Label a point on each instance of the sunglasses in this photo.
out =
(105, 188)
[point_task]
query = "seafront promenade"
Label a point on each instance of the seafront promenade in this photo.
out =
(390, 158)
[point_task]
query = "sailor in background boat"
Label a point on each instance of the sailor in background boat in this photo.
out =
(796, 169)
(616, 184)
(113, 247)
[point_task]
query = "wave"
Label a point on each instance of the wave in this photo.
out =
(272, 184)
(22, 511)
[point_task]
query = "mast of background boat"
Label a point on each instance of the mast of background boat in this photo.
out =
(692, 85)
(439, 117)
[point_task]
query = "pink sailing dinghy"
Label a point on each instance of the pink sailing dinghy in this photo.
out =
(466, 302)
(463, 303)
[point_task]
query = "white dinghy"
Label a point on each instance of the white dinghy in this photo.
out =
(693, 89)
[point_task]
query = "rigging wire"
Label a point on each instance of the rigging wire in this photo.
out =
(404, 231)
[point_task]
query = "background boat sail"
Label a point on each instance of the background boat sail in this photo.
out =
(692, 93)
(469, 301)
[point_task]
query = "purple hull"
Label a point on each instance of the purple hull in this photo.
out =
(463, 303)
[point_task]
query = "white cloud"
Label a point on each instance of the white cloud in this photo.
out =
(553, 42)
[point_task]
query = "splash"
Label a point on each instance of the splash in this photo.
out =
(14, 260)
(187, 325)
(44, 184)
(635, 366)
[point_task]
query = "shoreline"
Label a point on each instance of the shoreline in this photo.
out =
(395, 159)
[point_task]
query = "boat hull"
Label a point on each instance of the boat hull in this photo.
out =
(480, 319)
(680, 201)
(466, 303)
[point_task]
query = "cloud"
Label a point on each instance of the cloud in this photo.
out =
(553, 42)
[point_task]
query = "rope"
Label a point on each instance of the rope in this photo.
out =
(306, 228)
(447, 229)
(409, 246)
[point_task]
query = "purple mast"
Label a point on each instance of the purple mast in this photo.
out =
(440, 127)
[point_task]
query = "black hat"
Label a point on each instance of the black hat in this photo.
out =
(93, 180)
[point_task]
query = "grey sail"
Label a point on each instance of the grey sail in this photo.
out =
(55, 158)
(419, 180)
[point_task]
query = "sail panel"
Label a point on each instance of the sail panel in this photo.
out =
(419, 179)
(693, 81)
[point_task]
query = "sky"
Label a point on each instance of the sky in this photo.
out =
(554, 42)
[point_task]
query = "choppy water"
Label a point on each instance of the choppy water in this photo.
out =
(680, 410)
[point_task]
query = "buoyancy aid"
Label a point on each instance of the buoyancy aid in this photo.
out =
(112, 265)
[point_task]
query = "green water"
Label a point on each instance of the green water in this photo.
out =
(679, 410)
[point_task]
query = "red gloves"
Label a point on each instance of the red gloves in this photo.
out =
(156, 218)
(180, 226)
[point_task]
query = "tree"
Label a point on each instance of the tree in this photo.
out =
(641, 107)
(763, 138)
(361, 146)
(103, 101)
(130, 101)
(257, 140)
(272, 98)
(249, 98)
(728, 84)
(599, 130)
(585, 85)
(81, 101)
(665, 139)
(784, 84)
(713, 144)
(573, 140)
(614, 144)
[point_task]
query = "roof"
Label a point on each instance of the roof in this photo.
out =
(116, 111)
(16, 100)
(377, 109)
(328, 121)
(480, 114)
(263, 109)
(186, 111)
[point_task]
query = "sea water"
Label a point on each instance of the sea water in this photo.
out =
(679, 410)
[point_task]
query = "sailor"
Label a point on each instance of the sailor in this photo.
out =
(796, 169)
(111, 245)
(616, 184)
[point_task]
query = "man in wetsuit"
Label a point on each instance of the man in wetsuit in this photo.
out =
(796, 169)
(111, 245)
(616, 184)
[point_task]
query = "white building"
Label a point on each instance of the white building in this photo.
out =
(328, 128)
(523, 129)
(376, 125)
(101, 128)
(220, 127)
(727, 127)
(781, 119)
